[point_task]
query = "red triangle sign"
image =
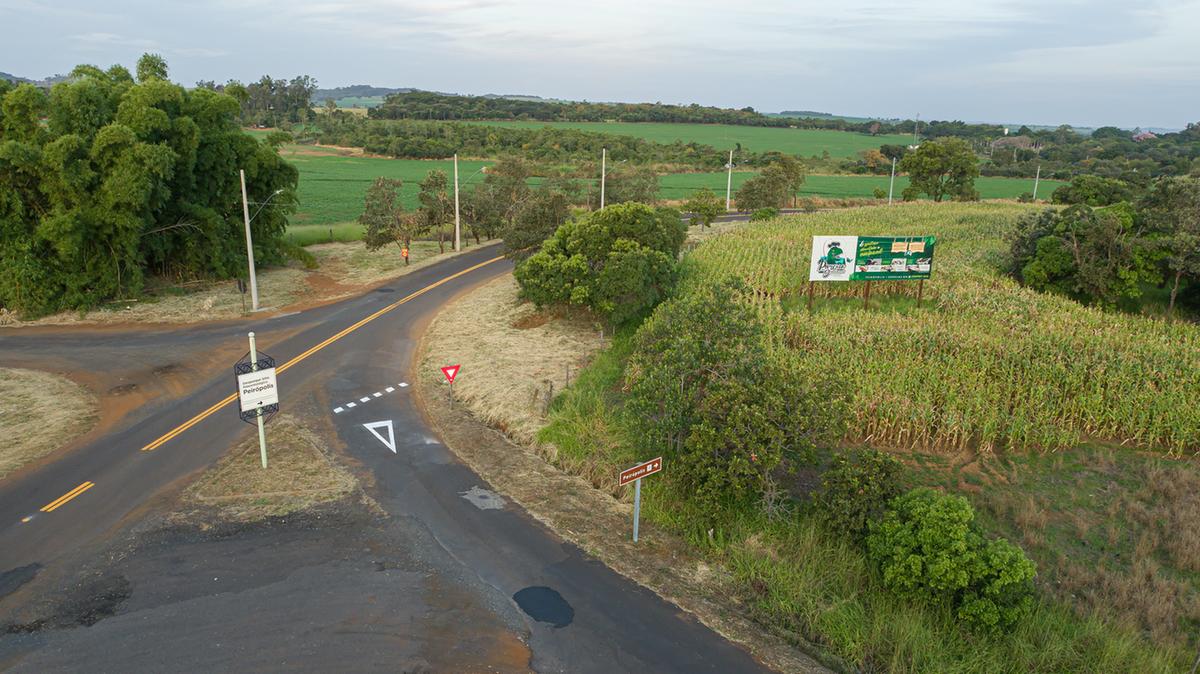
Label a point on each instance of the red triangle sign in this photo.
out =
(451, 371)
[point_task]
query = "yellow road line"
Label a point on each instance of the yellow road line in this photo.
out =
(233, 396)
(61, 500)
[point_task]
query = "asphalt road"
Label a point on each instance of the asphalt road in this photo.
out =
(467, 576)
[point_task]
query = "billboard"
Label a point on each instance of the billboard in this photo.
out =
(871, 258)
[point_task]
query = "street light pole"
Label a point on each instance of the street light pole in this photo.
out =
(457, 229)
(1036, 179)
(603, 170)
(892, 182)
(728, 181)
(249, 244)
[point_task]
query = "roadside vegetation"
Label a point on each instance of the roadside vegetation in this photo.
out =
(946, 488)
(40, 413)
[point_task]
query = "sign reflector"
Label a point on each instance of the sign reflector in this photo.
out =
(451, 371)
(638, 472)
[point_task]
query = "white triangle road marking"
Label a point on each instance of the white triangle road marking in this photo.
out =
(390, 442)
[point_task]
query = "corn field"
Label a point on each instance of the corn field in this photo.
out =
(984, 363)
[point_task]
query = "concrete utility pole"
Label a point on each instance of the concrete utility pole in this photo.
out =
(729, 181)
(1037, 178)
(917, 129)
(892, 182)
(262, 434)
(249, 248)
(603, 170)
(457, 228)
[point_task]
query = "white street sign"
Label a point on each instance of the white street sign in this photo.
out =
(257, 389)
(390, 442)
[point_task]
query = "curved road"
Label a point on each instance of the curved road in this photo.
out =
(453, 577)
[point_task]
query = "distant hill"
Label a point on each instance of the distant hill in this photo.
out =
(356, 91)
(46, 82)
(12, 78)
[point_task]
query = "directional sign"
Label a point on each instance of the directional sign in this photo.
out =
(638, 472)
(257, 389)
(451, 371)
(390, 441)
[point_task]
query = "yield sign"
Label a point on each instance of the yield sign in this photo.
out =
(451, 371)
(390, 442)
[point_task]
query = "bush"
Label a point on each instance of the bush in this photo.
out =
(1025, 198)
(930, 550)
(856, 490)
(879, 193)
(764, 214)
(728, 412)
(620, 262)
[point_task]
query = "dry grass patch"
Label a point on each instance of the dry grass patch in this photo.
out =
(39, 413)
(300, 473)
(513, 357)
(353, 265)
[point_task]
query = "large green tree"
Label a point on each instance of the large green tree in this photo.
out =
(703, 207)
(107, 179)
(941, 168)
(384, 220)
(1171, 214)
(618, 262)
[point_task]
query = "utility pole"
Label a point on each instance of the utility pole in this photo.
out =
(457, 228)
(262, 434)
(249, 248)
(892, 182)
(917, 129)
(729, 181)
(603, 169)
(1037, 178)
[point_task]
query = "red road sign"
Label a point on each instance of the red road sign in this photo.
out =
(638, 472)
(451, 371)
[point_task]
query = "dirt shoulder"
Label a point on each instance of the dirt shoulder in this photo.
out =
(39, 413)
(344, 269)
(509, 358)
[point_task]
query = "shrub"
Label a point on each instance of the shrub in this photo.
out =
(879, 193)
(930, 550)
(764, 214)
(1025, 198)
(703, 386)
(856, 490)
(620, 262)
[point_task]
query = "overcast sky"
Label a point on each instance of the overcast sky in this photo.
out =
(1128, 62)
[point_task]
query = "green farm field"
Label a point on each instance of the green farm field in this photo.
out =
(806, 142)
(682, 185)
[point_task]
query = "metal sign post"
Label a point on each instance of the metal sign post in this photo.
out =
(258, 392)
(635, 476)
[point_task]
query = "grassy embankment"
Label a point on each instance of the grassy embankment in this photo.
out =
(1065, 426)
(39, 412)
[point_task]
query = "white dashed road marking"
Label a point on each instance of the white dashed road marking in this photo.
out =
(366, 399)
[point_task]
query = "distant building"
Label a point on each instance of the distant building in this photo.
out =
(1145, 135)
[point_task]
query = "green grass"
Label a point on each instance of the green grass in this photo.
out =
(306, 235)
(682, 185)
(805, 142)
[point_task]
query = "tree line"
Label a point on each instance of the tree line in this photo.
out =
(414, 139)
(110, 177)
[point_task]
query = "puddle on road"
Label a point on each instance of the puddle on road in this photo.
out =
(545, 605)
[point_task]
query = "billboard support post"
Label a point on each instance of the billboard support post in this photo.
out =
(867, 296)
(920, 290)
(810, 295)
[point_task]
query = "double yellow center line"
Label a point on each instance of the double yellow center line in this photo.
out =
(61, 500)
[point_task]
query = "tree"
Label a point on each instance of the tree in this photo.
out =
(536, 219)
(765, 190)
(635, 184)
(705, 390)
(107, 180)
(1092, 255)
(436, 206)
(383, 217)
(941, 168)
(792, 173)
(1171, 212)
(619, 262)
(704, 207)
(151, 67)
(1093, 191)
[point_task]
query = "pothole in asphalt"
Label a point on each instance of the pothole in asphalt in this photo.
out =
(545, 605)
(168, 369)
(483, 499)
(385, 290)
(122, 389)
